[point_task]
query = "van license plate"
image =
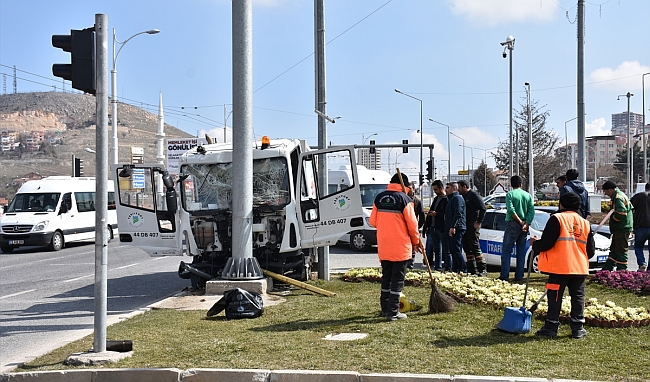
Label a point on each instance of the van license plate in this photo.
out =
(14, 242)
(602, 259)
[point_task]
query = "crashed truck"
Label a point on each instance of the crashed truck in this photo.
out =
(191, 214)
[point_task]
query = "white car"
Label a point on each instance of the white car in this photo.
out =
(497, 200)
(491, 240)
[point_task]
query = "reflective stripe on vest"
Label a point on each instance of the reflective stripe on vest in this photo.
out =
(569, 254)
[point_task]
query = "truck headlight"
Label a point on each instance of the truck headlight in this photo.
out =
(40, 225)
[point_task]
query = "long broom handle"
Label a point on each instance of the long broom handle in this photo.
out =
(424, 255)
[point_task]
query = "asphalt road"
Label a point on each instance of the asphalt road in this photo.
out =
(47, 298)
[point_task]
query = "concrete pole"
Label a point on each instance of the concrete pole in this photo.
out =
(242, 265)
(630, 165)
(582, 162)
(645, 143)
(321, 106)
(160, 136)
(510, 111)
(531, 175)
(101, 169)
(114, 145)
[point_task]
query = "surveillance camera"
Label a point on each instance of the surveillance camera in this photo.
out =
(505, 54)
(526, 83)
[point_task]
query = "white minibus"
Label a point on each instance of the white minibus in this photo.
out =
(53, 211)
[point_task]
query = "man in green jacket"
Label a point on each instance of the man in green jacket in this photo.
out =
(620, 225)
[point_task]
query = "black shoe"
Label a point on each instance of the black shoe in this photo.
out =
(579, 333)
(483, 274)
(546, 332)
(506, 280)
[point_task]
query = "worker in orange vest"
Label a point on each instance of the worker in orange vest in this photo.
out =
(564, 250)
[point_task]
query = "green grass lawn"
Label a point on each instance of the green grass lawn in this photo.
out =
(289, 336)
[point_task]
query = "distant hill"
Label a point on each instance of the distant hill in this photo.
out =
(69, 119)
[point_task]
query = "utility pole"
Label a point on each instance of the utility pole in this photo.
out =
(582, 162)
(101, 182)
(321, 103)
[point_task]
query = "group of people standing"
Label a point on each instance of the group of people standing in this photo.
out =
(451, 226)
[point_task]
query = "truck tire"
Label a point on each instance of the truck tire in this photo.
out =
(57, 241)
(358, 242)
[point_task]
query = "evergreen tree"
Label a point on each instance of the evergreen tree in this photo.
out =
(484, 179)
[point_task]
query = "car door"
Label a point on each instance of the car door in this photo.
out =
(324, 218)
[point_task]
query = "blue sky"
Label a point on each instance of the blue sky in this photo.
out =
(444, 52)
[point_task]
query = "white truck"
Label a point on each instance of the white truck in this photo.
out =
(193, 215)
(371, 183)
(53, 211)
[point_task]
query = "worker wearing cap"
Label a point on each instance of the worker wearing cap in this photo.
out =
(564, 250)
(620, 225)
(397, 236)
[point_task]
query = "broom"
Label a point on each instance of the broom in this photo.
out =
(439, 302)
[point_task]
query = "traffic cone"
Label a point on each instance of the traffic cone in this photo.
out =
(406, 305)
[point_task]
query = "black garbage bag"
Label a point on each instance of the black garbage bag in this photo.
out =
(239, 303)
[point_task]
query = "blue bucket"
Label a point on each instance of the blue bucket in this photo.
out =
(515, 320)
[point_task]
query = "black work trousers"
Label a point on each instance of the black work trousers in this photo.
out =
(556, 285)
(392, 283)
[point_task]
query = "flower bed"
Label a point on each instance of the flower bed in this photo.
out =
(501, 294)
(638, 282)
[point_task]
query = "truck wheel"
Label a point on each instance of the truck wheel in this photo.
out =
(6, 249)
(358, 241)
(57, 241)
(109, 233)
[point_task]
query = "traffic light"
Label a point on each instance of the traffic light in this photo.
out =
(81, 70)
(421, 179)
(405, 149)
(372, 149)
(78, 167)
(429, 170)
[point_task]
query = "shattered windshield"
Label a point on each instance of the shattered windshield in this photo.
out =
(208, 186)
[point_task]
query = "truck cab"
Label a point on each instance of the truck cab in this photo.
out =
(191, 214)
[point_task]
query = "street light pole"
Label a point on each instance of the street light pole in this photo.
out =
(531, 180)
(421, 146)
(364, 142)
(448, 148)
(645, 144)
(471, 161)
(566, 138)
(630, 171)
(114, 147)
(509, 44)
(462, 139)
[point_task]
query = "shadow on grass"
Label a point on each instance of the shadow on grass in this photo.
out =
(492, 337)
(297, 325)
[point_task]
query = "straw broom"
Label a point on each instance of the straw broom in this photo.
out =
(439, 302)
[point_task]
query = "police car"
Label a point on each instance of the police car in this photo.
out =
(491, 240)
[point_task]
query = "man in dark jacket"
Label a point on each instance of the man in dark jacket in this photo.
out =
(419, 214)
(564, 250)
(455, 226)
(641, 204)
(573, 184)
(474, 214)
(434, 229)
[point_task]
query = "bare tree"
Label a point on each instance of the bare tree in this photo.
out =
(547, 166)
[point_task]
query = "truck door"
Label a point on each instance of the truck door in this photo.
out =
(143, 216)
(324, 218)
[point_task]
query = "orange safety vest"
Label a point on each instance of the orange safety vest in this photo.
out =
(569, 254)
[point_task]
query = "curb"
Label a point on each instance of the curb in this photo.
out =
(245, 375)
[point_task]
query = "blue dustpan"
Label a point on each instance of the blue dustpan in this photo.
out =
(515, 320)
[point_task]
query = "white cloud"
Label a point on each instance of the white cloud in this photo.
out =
(217, 133)
(596, 127)
(494, 12)
(626, 77)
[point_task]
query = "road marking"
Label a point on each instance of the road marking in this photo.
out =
(78, 278)
(16, 294)
(41, 260)
(126, 266)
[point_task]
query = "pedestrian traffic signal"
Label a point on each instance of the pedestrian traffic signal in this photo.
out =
(405, 149)
(78, 167)
(429, 170)
(421, 179)
(81, 70)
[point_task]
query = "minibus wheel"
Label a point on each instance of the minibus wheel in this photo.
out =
(57, 241)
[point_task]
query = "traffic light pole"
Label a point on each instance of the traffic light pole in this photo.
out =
(101, 169)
